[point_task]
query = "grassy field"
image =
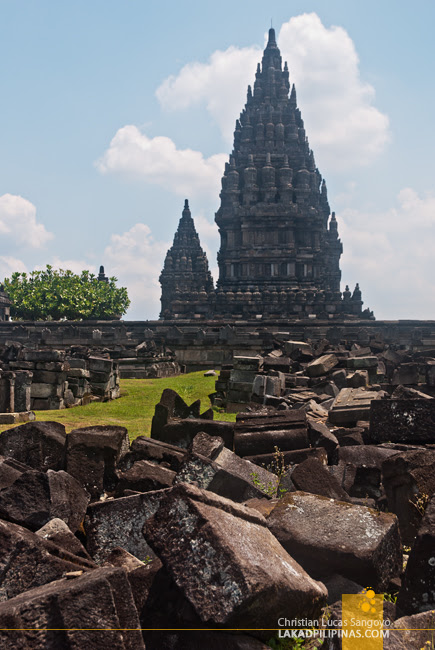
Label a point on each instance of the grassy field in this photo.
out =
(135, 408)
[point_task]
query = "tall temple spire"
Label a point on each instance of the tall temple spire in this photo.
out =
(280, 251)
(187, 285)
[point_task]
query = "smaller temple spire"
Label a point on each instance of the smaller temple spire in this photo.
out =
(272, 39)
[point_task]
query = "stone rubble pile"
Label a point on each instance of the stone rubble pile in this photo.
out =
(210, 524)
(47, 379)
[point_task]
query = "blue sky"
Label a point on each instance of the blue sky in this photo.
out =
(111, 113)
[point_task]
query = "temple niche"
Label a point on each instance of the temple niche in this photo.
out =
(280, 250)
(187, 285)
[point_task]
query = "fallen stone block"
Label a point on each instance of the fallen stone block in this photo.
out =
(259, 434)
(57, 531)
(182, 432)
(327, 536)
(367, 463)
(362, 363)
(286, 458)
(417, 593)
(229, 476)
(10, 470)
(156, 451)
(351, 405)
(27, 561)
(40, 445)
(120, 522)
(320, 436)
(409, 482)
(36, 497)
(171, 405)
(406, 373)
(93, 454)
(144, 476)
(75, 611)
(208, 446)
(410, 420)
(227, 563)
(313, 477)
(411, 632)
(321, 366)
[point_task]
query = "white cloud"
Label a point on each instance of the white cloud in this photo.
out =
(345, 128)
(18, 222)
(136, 259)
(157, 160)
(391, 254)
(220, 84)
(9, 265)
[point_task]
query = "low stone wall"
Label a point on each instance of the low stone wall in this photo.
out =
(210, 343)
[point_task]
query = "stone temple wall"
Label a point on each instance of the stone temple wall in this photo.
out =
(208, 343)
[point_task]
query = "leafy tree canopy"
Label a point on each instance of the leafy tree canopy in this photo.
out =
(57, 295)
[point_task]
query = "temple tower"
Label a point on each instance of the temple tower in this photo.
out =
(280, 249)
(187, 285)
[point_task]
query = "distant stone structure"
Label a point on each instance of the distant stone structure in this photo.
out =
(187, 285)
(280, 250)
(5, 305)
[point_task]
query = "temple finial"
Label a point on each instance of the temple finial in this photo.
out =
(272, 40)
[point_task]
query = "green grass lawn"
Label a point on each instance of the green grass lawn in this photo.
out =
(135, 408)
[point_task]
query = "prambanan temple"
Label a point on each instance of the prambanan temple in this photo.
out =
(280, 251)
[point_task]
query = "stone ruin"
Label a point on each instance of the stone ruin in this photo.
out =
(280, 250)
(210, 524)
(33, 380)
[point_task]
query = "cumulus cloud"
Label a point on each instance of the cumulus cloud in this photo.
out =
(136, 259)
(391, 254)
(345, 128)
(18, 222)
(9, 265)
(158, 161)
(76, 266)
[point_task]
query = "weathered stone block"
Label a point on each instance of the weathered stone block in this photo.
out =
(327, 536)
(144, 476)
(417, 593)
(93, 454)
(144, 448)
(351, 405)
(410, 420)
(321, 366)
(229, 476)
(313, 477)
(75, 611)
(36, 497)
(40, 445)
(46, 390)
(409, 481)
(120, 522)
(227, 563)
(29, 561)
(361, 363)
(57, 531)
(258, 434)
(182, 432)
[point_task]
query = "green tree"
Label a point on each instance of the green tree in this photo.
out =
(54, 294)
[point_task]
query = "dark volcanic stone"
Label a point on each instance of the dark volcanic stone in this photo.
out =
(417, 593)
(327, 536)
(404, 420)
(144, 476)
(409, 479)
(144, 448)
(75, 611)
(227, 563)
(57, 531)
(40, 445)
(120, 522)
(311, 476)
(93, 454)
(205, 445)
(27, 560)
(37, 497)
(229, 476)
(10, 470)
(182, 432)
